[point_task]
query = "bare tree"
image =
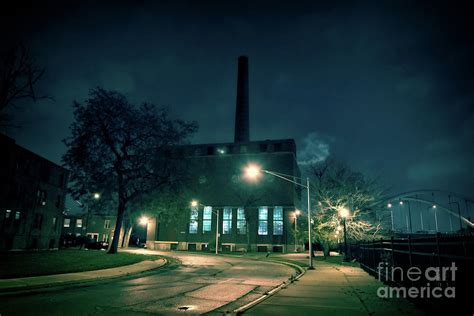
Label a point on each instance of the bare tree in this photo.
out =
(19, 76)
(338, 187)
(119, 149)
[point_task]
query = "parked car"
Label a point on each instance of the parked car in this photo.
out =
(97, 245)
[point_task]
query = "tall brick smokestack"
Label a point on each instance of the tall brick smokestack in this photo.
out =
(241, 134)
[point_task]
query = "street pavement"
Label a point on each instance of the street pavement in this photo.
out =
(199, 283)
(333, 290)
(195, 283)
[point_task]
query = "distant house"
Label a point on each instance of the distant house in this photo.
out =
(32, 194)
(83, 218)
(101, 227)
(73, 226)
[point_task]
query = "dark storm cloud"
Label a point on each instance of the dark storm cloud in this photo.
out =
(384, 86)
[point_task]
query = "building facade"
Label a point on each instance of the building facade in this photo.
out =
(101, 227)
(32, 195)
(249, 215)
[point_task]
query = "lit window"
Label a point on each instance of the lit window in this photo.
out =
(263, 220)
(207, 219)
(278, 220)
(241, 222)
(105, 237)
(227, 221)
(79, 223)
(8, 213)
(67, 222)
(17, 215)
(193, 224)
(107, 223)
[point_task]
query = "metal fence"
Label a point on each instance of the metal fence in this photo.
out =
(445, 262)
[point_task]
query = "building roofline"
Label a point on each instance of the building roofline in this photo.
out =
(12, 140)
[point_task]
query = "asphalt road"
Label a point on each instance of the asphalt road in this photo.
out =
(190, 284)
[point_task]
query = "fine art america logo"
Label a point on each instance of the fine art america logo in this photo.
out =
(434, 277)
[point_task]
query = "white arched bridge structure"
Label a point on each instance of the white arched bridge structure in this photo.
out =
(426, 211)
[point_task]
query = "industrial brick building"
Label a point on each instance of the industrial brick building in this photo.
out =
(32, 195)
(254, 216)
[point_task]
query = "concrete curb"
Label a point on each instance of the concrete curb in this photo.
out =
(274, 290)
(76, 278)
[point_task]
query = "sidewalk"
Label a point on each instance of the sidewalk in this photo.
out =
(333, 289)
(29, 283)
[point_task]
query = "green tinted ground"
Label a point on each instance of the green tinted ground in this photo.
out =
(25, 264)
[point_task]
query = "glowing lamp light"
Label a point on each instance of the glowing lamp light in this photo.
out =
(96, 196)
(252, 171)
(344, 212)
(297, 212)
(143, 220)
(434, 206)
(389, 205)
(194, 203)
(401, 202)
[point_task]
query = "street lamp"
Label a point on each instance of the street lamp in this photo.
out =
(252, 172)
(344, 213)
(296, 213)
(143, 220)
(95, 196)
(196, 204)
(436, 217)
(389, 205)
(338, 231)
(408, 216)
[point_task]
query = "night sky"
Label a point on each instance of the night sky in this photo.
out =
(386, 87)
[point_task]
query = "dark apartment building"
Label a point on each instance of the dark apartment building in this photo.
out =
(255, 216)
(32, 194)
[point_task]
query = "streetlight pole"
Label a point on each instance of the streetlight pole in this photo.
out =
(344, 213)
(389, 205)
(195, 203)
(296, 225)
(409, 216)
(345, 239)
(253, 171)
(436, 218)
(217, 233)
(95, 196)
(310, 241)
(421, 219)
(297, 212)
